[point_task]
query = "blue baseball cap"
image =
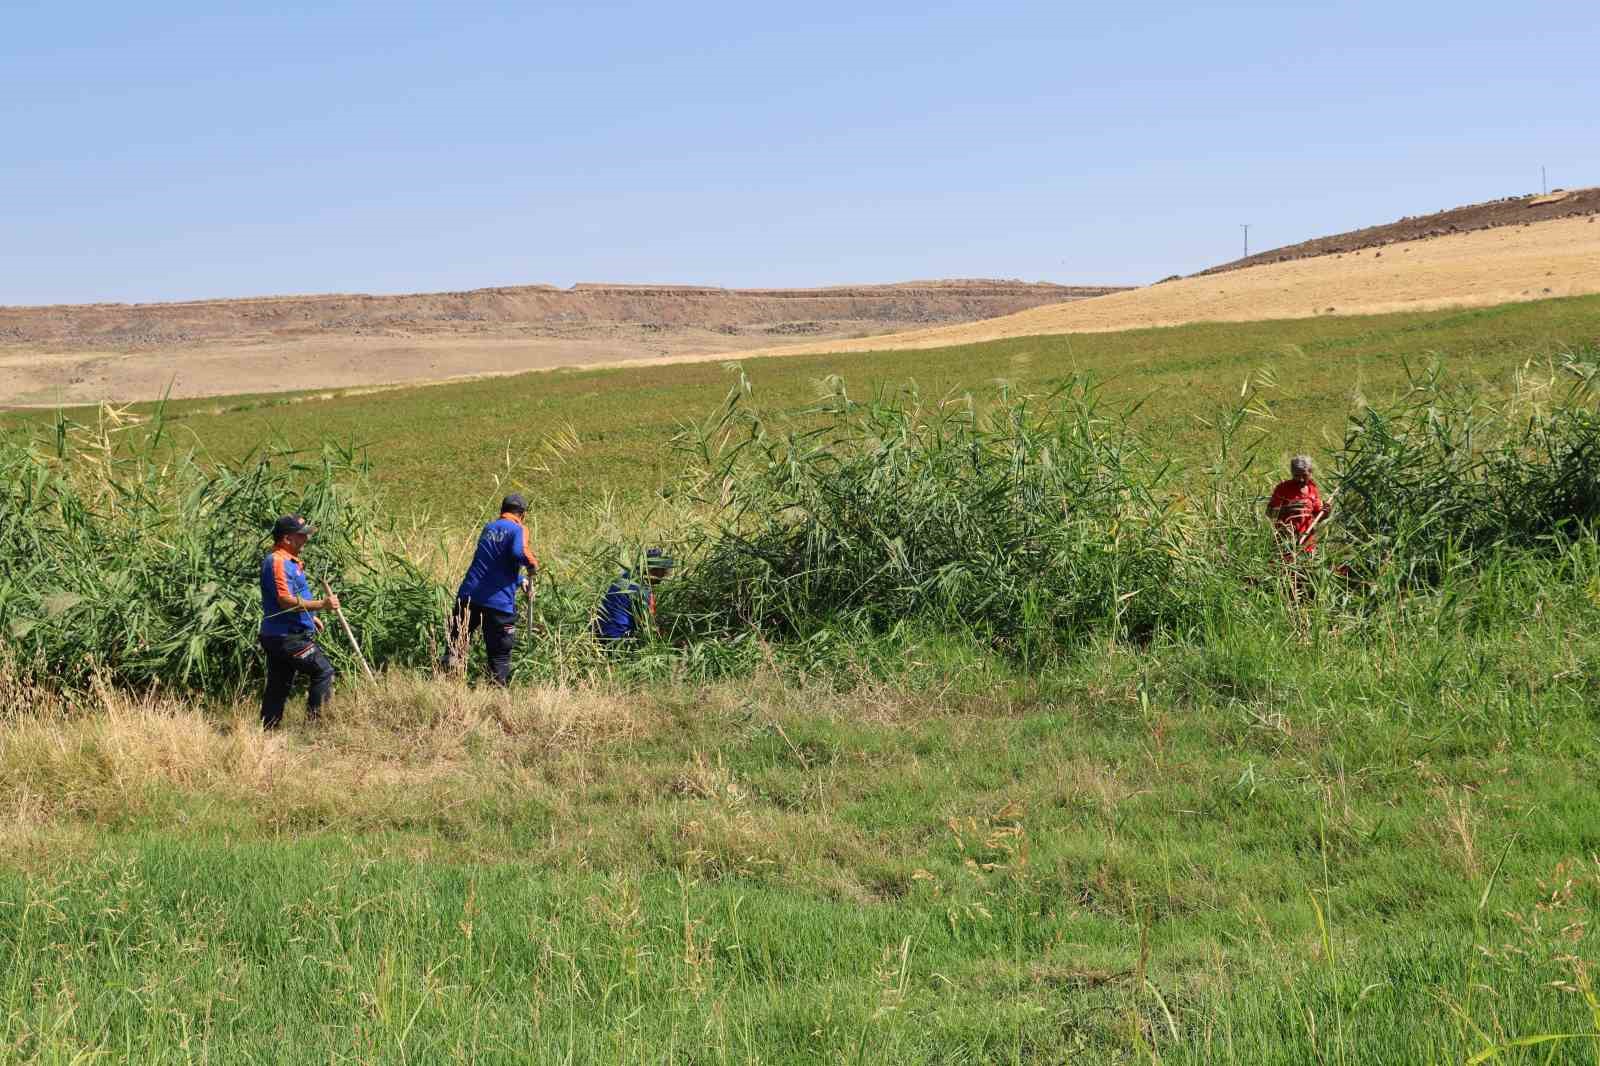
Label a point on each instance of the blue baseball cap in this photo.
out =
(292, 523)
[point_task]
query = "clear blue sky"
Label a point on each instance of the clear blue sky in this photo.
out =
(172, 150)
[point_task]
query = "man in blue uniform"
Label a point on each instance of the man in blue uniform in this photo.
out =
(628, 606)
(487, 597)
(288, 627)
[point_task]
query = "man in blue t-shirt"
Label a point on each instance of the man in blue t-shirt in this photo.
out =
(487, 598)
(288, 627)
(628, 606)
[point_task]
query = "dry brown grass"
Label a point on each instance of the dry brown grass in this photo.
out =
(585, 776)
(413, 752)
(389, 751)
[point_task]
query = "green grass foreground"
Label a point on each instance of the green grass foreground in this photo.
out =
(1265, 849)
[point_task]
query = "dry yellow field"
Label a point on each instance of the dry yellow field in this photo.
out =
(1492, 266)
(86, 353)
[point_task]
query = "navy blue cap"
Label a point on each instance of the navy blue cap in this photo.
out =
(514, 504)
(292, 523)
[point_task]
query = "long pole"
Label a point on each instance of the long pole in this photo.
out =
(326, 591)
(1246, 226)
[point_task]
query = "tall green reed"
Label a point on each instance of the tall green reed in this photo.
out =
(1024, 526)
(138, 563)
(1028, 523)
(1449, 473)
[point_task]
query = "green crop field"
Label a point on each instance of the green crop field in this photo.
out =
(989, 734)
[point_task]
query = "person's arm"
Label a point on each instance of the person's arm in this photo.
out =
(289, 600)
(328, 604)
(526, 560)
(525, 556)
(300, 603)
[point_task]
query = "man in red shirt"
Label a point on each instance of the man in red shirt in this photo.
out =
(1298, 508)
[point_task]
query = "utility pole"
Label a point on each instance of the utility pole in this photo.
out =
(1246, 226)
(1544, 181)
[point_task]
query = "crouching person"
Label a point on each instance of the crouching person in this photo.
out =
(629, 607)
(289, 626)
(487, 598)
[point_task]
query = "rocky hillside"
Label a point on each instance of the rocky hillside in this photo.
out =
(1511, 211)
(530, 311)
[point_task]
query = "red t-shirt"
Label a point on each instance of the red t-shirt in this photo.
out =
(1301, 523)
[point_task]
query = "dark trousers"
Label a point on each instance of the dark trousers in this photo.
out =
(499, 637)
(288, 657)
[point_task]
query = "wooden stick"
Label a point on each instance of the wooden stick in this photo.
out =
(328, 592)
(1307, 535)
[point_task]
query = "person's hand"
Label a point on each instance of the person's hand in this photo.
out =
(332, 602)
(317, 622)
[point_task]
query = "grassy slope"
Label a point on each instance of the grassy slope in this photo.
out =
(1267, 844)
(440, 448)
